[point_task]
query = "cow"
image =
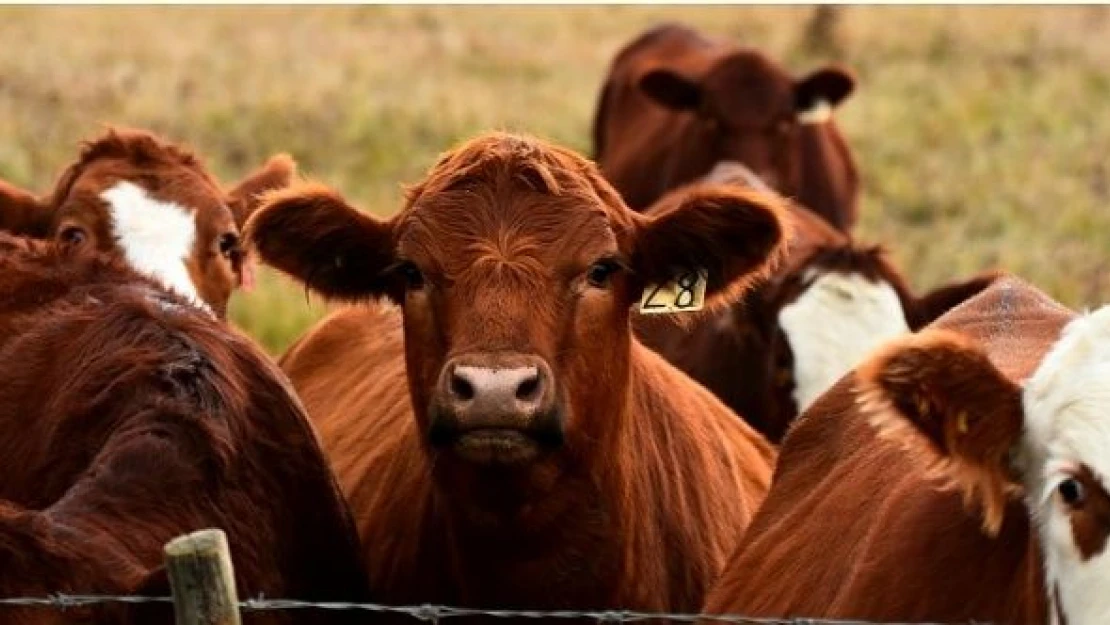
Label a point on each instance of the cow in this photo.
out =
(956, 476)
(502, 437)
(135, 195)
(821, 310)
(128, 417)
(675, 103)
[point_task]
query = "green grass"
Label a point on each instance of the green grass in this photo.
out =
(982, 133)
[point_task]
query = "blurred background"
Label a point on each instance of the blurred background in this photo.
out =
(982, 134)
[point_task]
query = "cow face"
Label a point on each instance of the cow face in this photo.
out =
(752, 111)
(1048, 440)
(834, 307)
(516, 266)
(153, 204)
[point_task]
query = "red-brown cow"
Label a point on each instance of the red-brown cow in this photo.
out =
(832, 301)
(676, 103)
(503, 438)
(128, 417)
(138, 197)
(959, 475)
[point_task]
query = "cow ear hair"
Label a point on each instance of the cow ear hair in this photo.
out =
(671, 89)
(311, 233)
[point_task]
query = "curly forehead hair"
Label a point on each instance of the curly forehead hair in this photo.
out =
(502, 158)
(138, 147)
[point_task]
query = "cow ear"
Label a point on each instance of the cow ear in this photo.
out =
(925, 309)
(671, 90)
(311, 233)
(277, 173)
(23, 214)
(830, 85)
(727, 233)
(939, 387)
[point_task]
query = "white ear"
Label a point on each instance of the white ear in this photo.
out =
(818, 113)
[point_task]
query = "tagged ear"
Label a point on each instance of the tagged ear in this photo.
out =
(830, 85)
(277, 173)
(927, 308)
(939, 385)
(730, 233)
(312, 234)
(671, 90)
(23, 214)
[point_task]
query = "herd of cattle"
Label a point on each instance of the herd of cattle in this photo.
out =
(495, 421)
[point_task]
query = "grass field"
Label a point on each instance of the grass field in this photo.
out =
(983, 134)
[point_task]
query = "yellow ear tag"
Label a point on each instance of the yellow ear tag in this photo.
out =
(818, 113)
(685, 292)
(961, 423)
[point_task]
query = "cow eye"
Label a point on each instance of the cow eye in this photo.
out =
(72, 236)
(1072, 492)
(413, 278)
(599, 273)
(229, 243)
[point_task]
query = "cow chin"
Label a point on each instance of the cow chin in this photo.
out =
(495, 442)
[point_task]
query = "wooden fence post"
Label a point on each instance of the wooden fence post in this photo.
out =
(202, 579)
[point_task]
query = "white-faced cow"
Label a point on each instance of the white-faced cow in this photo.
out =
(136, 196)
(959, 475)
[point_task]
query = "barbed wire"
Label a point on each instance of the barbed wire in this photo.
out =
(433, 613)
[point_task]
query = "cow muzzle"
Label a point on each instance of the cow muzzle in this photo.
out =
(496, 409)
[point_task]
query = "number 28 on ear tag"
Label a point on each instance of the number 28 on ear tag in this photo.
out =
(685, 292)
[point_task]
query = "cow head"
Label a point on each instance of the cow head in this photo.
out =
(835, 306)
(135, 196)
(516, 266)
(1048, 440)
(751, 110)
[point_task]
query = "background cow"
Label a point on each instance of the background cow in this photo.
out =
(898, 494)
(676, 103)
(504, 440)
(136, 196)
(128, 417)
(819, 313)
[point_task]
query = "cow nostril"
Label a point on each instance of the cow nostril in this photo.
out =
(528, 389)
(461, 388)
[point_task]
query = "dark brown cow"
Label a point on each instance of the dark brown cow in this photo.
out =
(676, 103)
(831, 301)
(128, 417)
(959, 475)
(503, 439)
(143, 199)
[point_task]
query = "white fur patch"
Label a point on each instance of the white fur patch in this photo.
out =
(1067, 423)
(156, 237)
(833, 325)
(819, 113)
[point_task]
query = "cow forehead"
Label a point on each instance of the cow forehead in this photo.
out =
(468, 227)
(750, 89)
(1067, 399)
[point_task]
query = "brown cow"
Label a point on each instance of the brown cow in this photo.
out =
(959, 475)
(128, 417)
(153, 203)
(675, 103)
(832, 300)
(503, 438)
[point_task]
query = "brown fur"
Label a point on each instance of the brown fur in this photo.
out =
(857, 527)
(655, 479)
(169, 173)
(744, 342)
(676, 103)
(129, 418)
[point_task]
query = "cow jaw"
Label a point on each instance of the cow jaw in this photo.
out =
(156, 237)
(1067, 437)
(833, 325)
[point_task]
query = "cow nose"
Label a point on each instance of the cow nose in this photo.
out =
(487, 390)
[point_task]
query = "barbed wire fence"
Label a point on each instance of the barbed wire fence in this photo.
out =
(202, 582)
